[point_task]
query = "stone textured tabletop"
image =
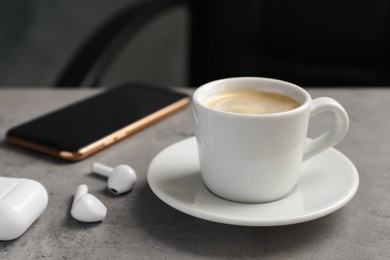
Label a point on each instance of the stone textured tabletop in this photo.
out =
(140, 226)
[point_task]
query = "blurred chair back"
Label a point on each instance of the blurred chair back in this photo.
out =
(310, 43)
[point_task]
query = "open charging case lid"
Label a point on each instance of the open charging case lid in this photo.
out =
(22, 201)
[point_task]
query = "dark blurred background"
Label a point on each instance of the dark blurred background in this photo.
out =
(37, 39)
(178, 43)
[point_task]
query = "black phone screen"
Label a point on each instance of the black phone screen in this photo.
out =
(89, 120)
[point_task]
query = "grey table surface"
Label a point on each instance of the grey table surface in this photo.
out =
(140, 226)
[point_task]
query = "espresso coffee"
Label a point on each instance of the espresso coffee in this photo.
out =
(250, 102)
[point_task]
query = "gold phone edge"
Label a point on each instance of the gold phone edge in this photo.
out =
(106, 141)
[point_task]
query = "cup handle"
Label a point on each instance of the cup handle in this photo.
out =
(332, 136)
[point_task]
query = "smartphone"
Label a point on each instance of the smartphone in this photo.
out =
(88, 126)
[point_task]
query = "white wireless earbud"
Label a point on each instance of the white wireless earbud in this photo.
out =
(120, 179)
(86, 207)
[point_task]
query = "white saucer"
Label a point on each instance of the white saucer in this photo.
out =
(328, 182)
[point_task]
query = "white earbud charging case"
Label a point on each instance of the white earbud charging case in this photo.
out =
(22, 201)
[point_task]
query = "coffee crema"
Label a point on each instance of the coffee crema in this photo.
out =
(250, 102)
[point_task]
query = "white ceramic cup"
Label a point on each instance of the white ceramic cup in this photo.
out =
(256, 158)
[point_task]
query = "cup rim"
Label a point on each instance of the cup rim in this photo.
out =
(302, 106)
